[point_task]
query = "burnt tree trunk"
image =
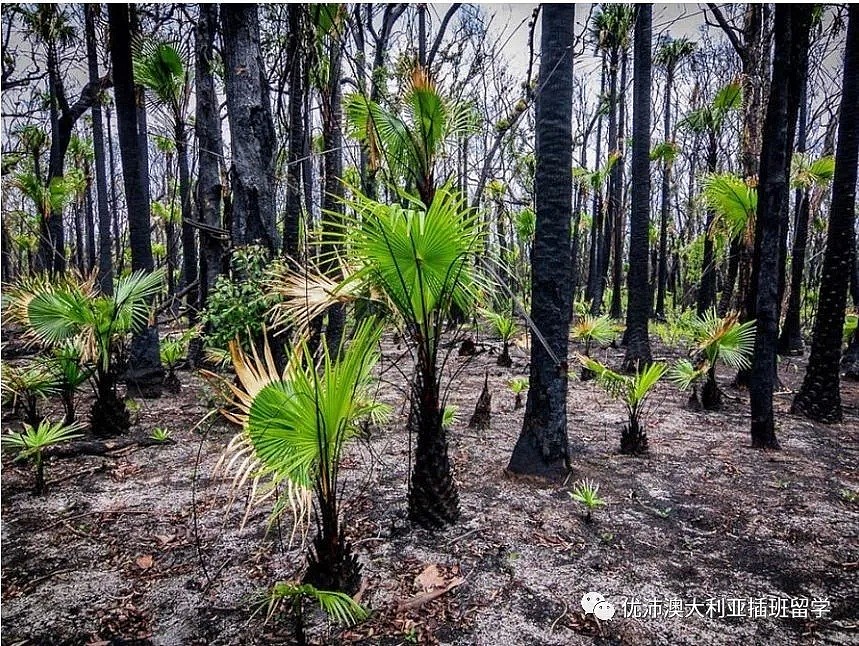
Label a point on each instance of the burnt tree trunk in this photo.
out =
(542, 448)
(790, 63)
(819, 397)
(638, 309)
(252, 136)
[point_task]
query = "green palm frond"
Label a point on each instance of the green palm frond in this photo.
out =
(673, 50)
(632, 390)
(806, 172)
(295, 424)
(725, 339)
(503, 325)
(596, 329)
(339, 607)
(160, 68)
(734, 201)
(421, 259)
(644, 381)
(683, 373)
(31, 380)
(34, 440)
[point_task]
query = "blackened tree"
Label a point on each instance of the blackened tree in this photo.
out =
(790, 64)
(638, 310)
(252, 136)
(819, 397)
(542, 448)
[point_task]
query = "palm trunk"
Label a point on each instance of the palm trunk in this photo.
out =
(145, 372)
(105, 262)
(707, 290)
(790, 64)
(617, 222)
(333, 189)
(189, 243)
(662, 278)
(543, 447)
(819, 397)
(638, 310)
(433, 497)
(791, 342)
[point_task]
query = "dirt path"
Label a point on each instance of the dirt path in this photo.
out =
(111, 553)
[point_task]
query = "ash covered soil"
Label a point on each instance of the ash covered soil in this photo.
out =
(141, 545)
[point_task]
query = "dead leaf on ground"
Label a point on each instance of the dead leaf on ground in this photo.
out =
(430, 578)
(145, 562)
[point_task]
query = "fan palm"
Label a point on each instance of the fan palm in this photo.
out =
(34, 440)
(505, 327)
(592, 329)
(23, 387)
(295, 426)
(734, 202)
(336, 605)
(717, 339)
(53, 314)
(161, 67)
(418, 260)
(409, 144)
(633, 391)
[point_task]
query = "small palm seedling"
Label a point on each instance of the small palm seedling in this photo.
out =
(505, 328)
(718, 339)
(173, 350)
(70, 373)
(633, 391)
(24, 386)
(517, 386)
(296, 425)
(339, 607)
(34, 440)
(586, 492)
(160, 434)
(448, 416)
(592, 329)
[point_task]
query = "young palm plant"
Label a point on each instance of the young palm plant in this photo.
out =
(419, 262)
(586, 493)
(717, 339)
(24, 386)
(70, 372)
(295, 427)
(505, 327)
(339, 607)
(633, 391)
(54, 314)
(34, 440)
(592, 329)
(517, 386)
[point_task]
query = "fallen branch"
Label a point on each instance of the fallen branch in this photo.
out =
(426, 597)
(99, 447)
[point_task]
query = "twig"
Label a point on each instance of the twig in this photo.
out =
(460, 537)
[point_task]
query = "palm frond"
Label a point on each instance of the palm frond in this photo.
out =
(683, 373)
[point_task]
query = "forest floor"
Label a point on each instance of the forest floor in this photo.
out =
(140, 546)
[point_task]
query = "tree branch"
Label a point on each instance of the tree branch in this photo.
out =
(437, 42)
(730, 32)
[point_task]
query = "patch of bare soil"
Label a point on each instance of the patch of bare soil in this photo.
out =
(137, 546)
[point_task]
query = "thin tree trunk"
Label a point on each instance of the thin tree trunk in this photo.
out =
(707, 290)
(662, 277)
(617, 222)
(210, 152)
